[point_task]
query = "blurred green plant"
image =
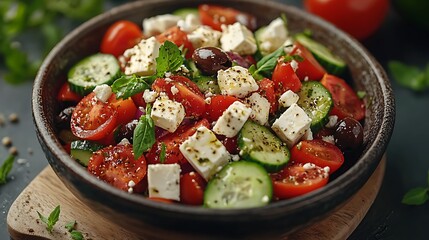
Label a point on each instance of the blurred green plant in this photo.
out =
(20, 16)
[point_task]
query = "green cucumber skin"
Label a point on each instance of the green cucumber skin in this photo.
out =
(91, 71)
(207, 84)
(314, 97)
(82, 150)
(330, 62)
(270, 152)
(259, 193)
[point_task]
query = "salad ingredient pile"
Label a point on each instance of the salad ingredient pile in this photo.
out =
(202, 107)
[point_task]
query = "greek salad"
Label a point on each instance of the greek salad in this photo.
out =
(205, 107)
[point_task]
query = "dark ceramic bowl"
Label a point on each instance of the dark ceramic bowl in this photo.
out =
(157, 220)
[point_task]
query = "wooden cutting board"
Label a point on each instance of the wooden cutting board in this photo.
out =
(46, 191)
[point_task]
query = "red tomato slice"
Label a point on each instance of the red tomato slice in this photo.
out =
(125, 107)
(294, 180)
(318, 152)
(309, 67)
(218, 104)
(138, 100)
(116, 165)
(93, 119)
(214, 16)
(178, 37)
(172, 142)
(187, 94)
(120, 36)
(266, 89)
(285, 78)
(192, 187)
(346, 101)
(67, 95)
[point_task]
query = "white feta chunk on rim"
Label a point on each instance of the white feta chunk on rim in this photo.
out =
(232, 119)
(103, 92)
(142, 57)
(292, 125)
(167, 114)
(205, 152)
(204, 36)
(288, 98)
(260, 108)
(158, 24)
(236, 81)
(237, 38)
(273, 36)
(164, 181)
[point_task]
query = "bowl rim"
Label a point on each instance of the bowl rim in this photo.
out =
(366, 163)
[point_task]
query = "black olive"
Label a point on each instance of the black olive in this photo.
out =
(210, 60)
(125, 131)
(63, 118)
(348, 134)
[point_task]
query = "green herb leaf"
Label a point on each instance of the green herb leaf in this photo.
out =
(267, 64)
(169, 59)
(76, 235)
(416, 196)
(144, 134)
(5, 168)
(70, 226)
(361, 94)
(52, 219)
(409, 76)
(162, 153)
(126, 86)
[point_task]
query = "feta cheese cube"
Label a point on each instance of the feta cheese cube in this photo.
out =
(189, 23)
(236, 81)
(149, 96)
(142, 57)
(273, 36)
(292, 125)
(205, 152)
(204, 36)
(167, 114)
(308, 135)
(288, 98)
(232, 119)
(238, 38)
(164, 181)
(159, 24)
(260, 108)
(103, 92)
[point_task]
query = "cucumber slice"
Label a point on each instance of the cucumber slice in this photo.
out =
(239, 184)
(93, 70)
(331, 62)
(183, 12)
(82, 150)
(257, 143)
(258, 34)
(317, 102)
(207, 84)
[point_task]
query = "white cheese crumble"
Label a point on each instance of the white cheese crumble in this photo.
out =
(159, 24)
(142, 57)
(103, 92)
(149, 96)
(174, 90)
(333, 119)
(329, 139)
(204, 36)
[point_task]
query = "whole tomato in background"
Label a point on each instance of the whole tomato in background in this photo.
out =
(359, 18)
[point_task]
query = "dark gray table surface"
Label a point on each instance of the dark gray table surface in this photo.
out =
(407, 156)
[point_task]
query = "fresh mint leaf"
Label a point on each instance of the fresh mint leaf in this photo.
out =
(169, 59)
(52, 219)
(70, 226)
(416, 196)
(76, 235)
(126, 86)
(266, 65)
(162, 153)
(144, 134)
(5, 168)
(409, 76)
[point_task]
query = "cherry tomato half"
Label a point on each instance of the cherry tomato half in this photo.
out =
(214, 16)
(318, 152)
(218, 104)
(285, 78)
(192, 187)
(67, 95)
(178, 37)
(120, 36)
(125, 107)
(267, 89)
(309, 68)
(360, 18)
(294, 180)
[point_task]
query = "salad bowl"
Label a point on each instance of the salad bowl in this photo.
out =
(154, 220)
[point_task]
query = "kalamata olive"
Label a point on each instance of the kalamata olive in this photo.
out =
(125, 131)
(348, 134)
(211, 59)
(63, 118)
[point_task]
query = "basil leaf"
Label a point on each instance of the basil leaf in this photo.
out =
(409, 76)
(361, 94)
(126, 86)
(266, 65)
(416, 196)
(5, 168)
(76, 235)
(169, 59)
(144, 134)
(70, 226)
(163, 153)
(52, 219)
